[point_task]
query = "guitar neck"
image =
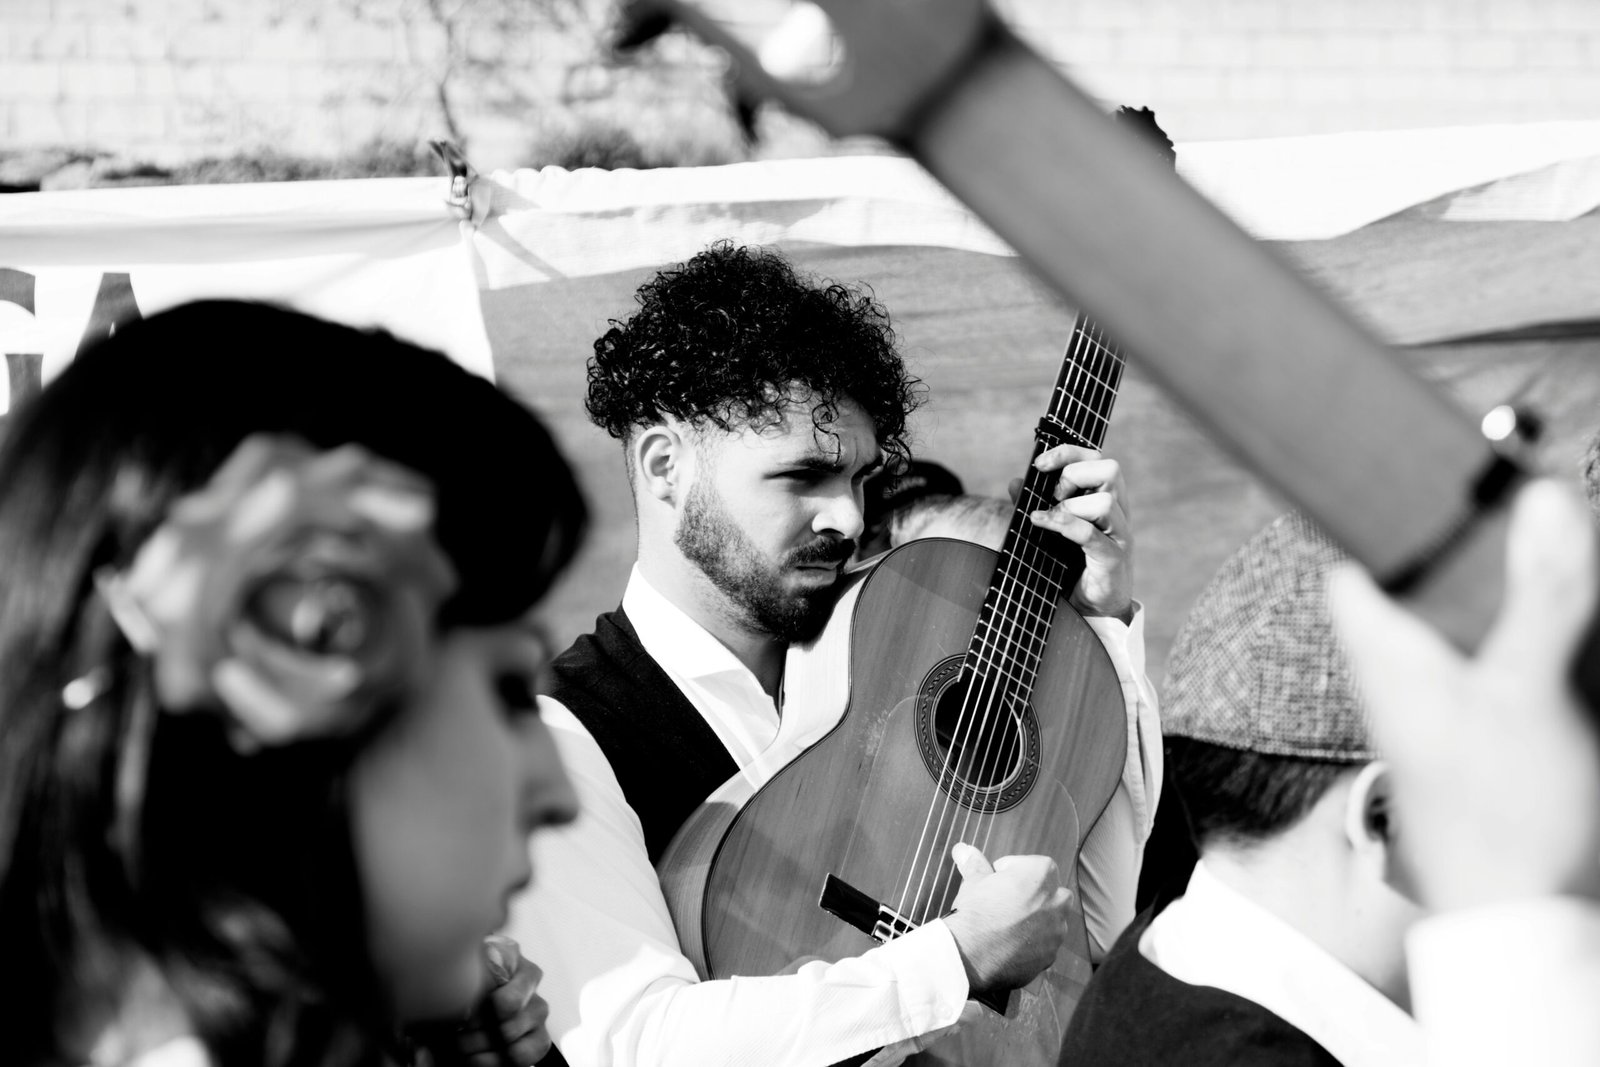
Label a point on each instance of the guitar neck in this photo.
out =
(1037, 567)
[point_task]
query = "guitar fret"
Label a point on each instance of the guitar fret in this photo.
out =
(1091, 375)
(993, 635)
(1030, 580)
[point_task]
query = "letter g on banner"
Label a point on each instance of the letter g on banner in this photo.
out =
(24, 368)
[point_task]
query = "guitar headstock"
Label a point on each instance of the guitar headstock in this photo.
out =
(1142, 121)
(895, 61)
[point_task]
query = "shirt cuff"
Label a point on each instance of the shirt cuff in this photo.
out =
(929, 974)
(1515, 982)
(1123, 640)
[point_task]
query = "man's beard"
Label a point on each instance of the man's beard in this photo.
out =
(710, 539)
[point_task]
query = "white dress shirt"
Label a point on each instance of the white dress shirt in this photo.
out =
(1517, 982)
(620, 991)
(1214, 936)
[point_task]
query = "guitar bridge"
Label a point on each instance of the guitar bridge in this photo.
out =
(878, 921)
(882, 923)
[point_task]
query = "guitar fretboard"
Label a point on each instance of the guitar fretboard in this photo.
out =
(1037, 567)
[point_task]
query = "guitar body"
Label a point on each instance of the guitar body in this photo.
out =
(865, 802)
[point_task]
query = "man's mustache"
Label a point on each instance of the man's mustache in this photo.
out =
(829, 550)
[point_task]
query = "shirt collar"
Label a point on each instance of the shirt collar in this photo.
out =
(669, 635)
(1215, 936)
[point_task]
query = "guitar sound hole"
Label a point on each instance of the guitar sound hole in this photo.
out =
(979, 739)
(983, 751)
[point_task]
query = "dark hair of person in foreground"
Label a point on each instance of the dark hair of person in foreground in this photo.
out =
(138, 857)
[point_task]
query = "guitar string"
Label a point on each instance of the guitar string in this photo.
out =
(987, 687)
(1029, 500)
(994, 696)
(1031, 552)
(970, 675)
(991, 692)
(1059, 572)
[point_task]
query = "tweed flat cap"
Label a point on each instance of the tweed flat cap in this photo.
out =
(1256, 665)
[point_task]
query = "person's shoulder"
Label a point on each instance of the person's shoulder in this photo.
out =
(1135, 1013)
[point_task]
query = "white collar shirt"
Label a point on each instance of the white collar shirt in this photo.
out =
(722, 689)
(620, 991)
(1215, 936)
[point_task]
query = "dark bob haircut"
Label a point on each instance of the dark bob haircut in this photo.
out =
(242, 895)
(734, 335)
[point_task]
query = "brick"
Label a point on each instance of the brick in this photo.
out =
(56, 124)
(291, 42)
(1316, 16)
(1153, 49)
(208, 41)
(1500, 15)
(1251, 85)
(1462, 88)
(1522, 86)
(1286, 49)
(127, 123)
(32, 81)
(1391, 87)
(36, 39)
(1579, 87)
(255, 82)
(1574, 16)
(207, 122)
(1317, 87)
(1083, 47)
(125, 40)
(1227, 50)
(364, 42)
(1380, 15)
(1123, 16)
(1417, 49)
(190, 80)
(1551, 51)
(1353, 48)
(1189, 83)
(30, 10)
(310, 82)
(1249, 14)
(99, 79)
(1487, 52)
(1448, 15)
(158, 81)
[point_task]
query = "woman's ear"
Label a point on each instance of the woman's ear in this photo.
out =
(659, 461)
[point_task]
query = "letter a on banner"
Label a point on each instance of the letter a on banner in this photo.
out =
(114, 306)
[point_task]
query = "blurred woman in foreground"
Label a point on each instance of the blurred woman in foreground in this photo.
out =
(269, 751)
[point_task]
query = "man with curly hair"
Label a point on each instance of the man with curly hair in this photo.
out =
(752, 403)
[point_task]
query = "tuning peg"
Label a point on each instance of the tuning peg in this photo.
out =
(639, 23)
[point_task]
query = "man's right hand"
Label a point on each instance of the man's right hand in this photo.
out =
(1009, 919)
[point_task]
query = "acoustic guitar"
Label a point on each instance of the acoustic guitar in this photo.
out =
(981, 708)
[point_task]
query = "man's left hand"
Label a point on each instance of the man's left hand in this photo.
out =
(1092, 512)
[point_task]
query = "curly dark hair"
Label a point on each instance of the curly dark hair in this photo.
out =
(734, 335)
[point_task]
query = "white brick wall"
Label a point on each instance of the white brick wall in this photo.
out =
(170, 79)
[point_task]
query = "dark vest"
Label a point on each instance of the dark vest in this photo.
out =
(666, 758)
(1134, 1014)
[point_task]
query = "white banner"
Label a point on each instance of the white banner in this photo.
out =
(385, 253)
(552, 223)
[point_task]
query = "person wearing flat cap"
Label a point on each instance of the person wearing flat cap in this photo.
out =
(1287, 945)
